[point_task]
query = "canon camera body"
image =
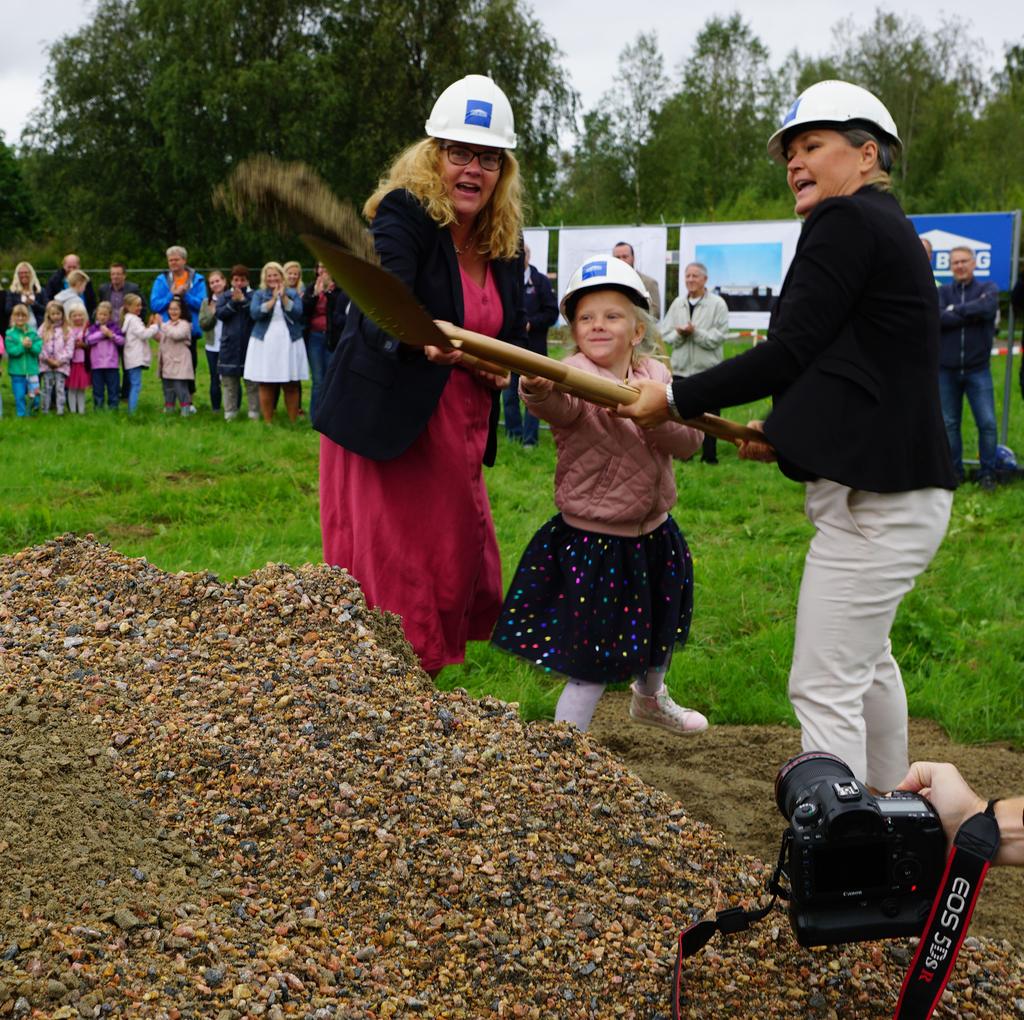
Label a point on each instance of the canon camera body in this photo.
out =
(859, 866)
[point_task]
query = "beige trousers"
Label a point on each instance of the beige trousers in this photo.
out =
(845, 685)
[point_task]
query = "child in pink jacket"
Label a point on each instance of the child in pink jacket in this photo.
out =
(604, 591)
(55, 357)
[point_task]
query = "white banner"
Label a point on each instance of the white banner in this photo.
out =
(536, 239)
(650, 246)
(746, 264)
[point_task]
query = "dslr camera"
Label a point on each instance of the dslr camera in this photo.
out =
(859, 866)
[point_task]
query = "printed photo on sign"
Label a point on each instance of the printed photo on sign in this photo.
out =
(746, 263)
(747, 276)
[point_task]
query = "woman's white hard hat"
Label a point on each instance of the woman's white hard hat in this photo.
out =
(833, 102)
(604, 272)
(474, 110)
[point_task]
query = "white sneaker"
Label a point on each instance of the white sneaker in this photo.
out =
(661, 711)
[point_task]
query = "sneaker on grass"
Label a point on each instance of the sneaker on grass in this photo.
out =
(660, 710)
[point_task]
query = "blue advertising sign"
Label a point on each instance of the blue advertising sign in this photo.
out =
(988, 235)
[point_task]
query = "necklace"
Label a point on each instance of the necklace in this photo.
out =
(466, 247)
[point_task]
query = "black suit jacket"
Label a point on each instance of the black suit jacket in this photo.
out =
(852, 356)
(55, 285)
(129, 288)
(337, 313)
(379, 394)
(541, 310)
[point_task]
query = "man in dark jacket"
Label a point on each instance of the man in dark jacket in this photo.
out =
(58, 282)
(968, 324)
(541, 314)
(114, 292)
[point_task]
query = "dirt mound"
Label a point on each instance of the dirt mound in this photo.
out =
(367, 846)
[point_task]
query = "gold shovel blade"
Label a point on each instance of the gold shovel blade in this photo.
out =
(380, 295)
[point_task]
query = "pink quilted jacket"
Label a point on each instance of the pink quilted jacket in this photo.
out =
(612, 476)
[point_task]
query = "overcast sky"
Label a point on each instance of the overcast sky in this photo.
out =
(590, 33)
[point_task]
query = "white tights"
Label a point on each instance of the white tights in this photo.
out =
(579, 698)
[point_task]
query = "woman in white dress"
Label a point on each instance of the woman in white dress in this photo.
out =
(276, 358)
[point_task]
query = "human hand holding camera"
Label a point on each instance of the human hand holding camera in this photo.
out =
(941, 784)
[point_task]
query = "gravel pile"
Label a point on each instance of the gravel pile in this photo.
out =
(245, 799)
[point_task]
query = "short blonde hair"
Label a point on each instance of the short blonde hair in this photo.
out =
(76, 276)
(21, 309)
(263, 273)
(176, 249)
(292, 265)
(34, 285)
(418, 170)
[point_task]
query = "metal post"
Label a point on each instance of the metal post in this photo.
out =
(1008, 381)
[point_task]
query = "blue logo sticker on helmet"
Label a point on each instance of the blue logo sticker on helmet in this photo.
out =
(478, 112)
(792, 113)
(592, 269)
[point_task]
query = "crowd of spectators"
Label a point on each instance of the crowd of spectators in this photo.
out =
(59, 340)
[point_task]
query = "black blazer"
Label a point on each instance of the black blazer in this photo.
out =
(337, 313)
(12, 298)
(852, 356)
(541, 310)
(379, 394)
(129, 288)
(55, 285)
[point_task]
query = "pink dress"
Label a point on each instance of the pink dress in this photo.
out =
(416, 531)
(80, 377)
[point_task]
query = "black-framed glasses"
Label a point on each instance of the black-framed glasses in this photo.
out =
(459, 155)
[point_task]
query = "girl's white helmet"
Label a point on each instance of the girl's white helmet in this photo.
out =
(473, 110)
(604, 272)
(837, 103)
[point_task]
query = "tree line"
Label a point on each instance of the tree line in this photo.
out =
(149, 106)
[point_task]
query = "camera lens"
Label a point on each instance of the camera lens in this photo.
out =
(800, 776)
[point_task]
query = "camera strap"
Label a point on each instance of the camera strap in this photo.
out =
(728, 922)
(974, 847)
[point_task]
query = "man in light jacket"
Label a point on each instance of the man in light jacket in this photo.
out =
(694, 328)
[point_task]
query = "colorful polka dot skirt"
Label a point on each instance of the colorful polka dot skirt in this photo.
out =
(602, 608)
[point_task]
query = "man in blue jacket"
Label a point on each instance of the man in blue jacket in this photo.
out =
(968, 324)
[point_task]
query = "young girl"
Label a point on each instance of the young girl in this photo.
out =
(23, 345)
(104, 337)
(604, 591)
(79, 380)
(175, 359)
(137, 352)
(55, 357)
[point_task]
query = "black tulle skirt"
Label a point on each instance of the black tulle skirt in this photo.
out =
(596, 607)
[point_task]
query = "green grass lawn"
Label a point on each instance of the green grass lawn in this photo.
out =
(202, 493)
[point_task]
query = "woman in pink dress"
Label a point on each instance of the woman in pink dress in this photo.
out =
(406, 432)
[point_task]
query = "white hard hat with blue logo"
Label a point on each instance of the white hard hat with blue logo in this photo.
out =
(474, 110)
(836, 103)
(604, 272)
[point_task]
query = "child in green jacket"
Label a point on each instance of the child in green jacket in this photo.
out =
(23, 345)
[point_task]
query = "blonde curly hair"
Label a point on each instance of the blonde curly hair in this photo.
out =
(418, 170)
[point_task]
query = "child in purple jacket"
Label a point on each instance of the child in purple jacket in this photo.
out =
(104, 338)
